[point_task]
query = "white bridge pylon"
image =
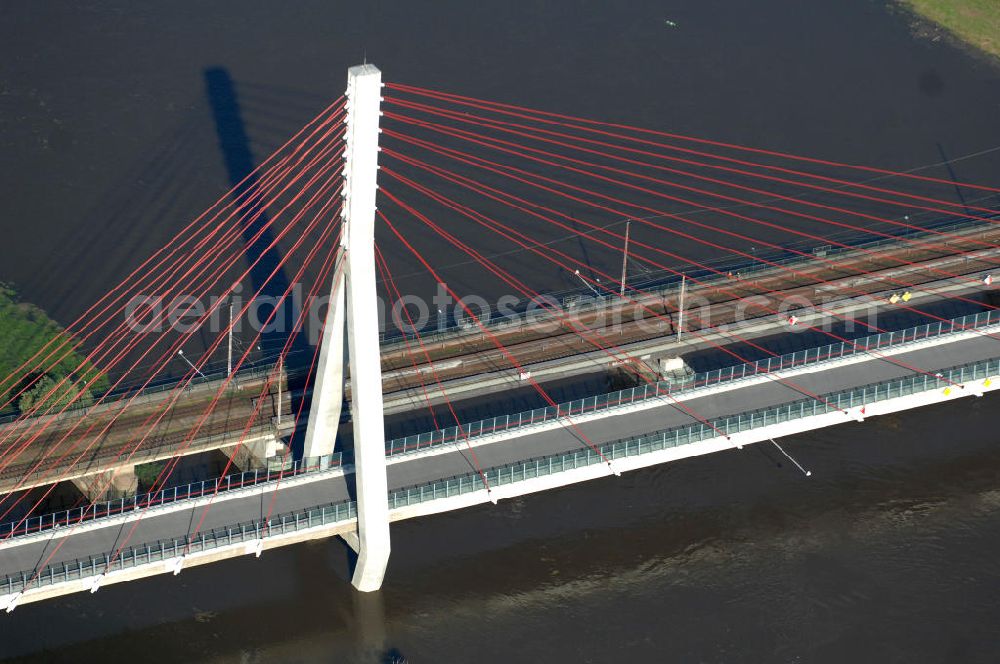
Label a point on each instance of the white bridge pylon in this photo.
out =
(353, 302)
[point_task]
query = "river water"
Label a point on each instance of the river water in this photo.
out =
(888, 553)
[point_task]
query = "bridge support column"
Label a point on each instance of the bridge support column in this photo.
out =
(354, 300)
(255, 453)
(328, 395)
(108, 485)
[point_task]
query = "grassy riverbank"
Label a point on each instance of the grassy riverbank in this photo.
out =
(977, 22)
(24, 330)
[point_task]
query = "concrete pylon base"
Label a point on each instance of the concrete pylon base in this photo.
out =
(370, 568)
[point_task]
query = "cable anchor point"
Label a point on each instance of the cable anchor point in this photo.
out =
(13, 602)
(256, 547)
(95, 585)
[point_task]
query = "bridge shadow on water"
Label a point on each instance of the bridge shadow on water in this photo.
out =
(267, 273)
(131, 219)
(143, 202)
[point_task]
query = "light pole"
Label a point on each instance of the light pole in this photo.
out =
(180, 353)
(586, 283)
(628, 226)
(229, 360)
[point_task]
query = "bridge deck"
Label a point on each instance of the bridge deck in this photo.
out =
(178, 520)
(468, 364)
(71, 445)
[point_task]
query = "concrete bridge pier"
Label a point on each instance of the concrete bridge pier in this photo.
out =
(108, 485)
(255, 453)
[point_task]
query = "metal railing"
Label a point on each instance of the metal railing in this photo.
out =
(161, 550)
(693, 433)
(507, 474)
(661, 389)
(277, 469)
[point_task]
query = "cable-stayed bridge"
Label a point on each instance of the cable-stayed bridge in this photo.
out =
(734, 295)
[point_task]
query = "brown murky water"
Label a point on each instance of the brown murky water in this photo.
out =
(887, 554)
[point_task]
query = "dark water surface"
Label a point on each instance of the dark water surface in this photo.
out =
(889, 553)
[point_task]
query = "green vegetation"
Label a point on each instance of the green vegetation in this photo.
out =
(148, 473)
(24, 330)
(976, 22)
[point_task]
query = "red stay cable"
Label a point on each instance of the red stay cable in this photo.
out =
(393, 298)
(514, 150)
(684, 259)
(771, 153)
(494, 166)
(98, 356)
(437, 379)
(234, 234)
(218, 394)
(185, 235)
(513, 360)
(168, 356)
(512, 235)
(726, 183)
